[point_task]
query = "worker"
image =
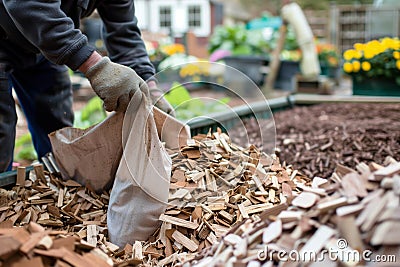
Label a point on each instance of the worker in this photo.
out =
(38, 39)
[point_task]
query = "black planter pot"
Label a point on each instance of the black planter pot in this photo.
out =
(287, 71)
(249, 65)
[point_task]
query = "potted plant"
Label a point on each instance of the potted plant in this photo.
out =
(374, 67)
(290, 61)
(242, 49)
(328, 57)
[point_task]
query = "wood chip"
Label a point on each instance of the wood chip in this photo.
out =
(186, 242)
(179, 222)
(305, 200)
(21, 172)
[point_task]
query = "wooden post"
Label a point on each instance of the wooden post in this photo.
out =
(275, 61)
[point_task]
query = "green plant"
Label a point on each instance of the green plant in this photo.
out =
(328, 55)
(24, 149)
(187, 107)
(290, 40)
(92, 113)
(374, 59)
(238, 40)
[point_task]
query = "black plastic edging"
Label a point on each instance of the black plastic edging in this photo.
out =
(227, 120)
(301, 99)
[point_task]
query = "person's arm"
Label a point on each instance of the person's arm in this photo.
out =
(48, 28)
(123, 38)
(114, 83)
(90, 62)
(125, 45)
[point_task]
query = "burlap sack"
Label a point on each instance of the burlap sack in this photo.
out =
(90, 156)
(142, 171)
(141, 185)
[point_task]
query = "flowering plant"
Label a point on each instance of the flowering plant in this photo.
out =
(159, 52)
(377, 58)
(172, 49)
(328, 55)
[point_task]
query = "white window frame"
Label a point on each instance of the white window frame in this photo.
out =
(194, 17)
(162, 17)
(179, 14)
(204, 29)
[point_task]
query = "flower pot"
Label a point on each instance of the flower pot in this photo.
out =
(286, 74)
(376, 87)
(249, 65)
(324, 70)
(330, 72)
(333, 73)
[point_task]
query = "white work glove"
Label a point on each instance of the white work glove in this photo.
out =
(115, 84)
(157, 98)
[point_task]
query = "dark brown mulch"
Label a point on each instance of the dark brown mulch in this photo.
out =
(315, 138)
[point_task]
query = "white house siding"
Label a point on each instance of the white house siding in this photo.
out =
(147, 12)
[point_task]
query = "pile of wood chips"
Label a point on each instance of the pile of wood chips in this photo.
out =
(45, 221)
(350, 219)
(214, 186)
(225, 204)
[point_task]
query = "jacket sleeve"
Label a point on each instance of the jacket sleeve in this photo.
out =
(123, 38)
(48, 28)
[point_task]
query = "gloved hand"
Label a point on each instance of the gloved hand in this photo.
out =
(157, 98)
(115, 84)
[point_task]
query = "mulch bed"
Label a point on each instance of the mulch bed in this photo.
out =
(314, 139)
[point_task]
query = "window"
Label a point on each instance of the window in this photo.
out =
(165, 17)
(194, 16)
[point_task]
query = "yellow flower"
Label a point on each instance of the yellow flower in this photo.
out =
(387, 42)
(194, 69)
(369, 53)
(365, 66)
(349, 54)
(173, 49)
(188, 70)
(356, 66)
(374, 43)
(396, 44)
(396, 54)
(390, 43)
(359, 46)
(398, 64)
(348, 67)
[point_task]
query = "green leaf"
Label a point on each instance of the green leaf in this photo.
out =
(27, 152)
(224, 100)
(95, 105)
(177, 95)
(24, 148)
(23, 140)
(188, 107)
(242, 50)
(92, 113)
